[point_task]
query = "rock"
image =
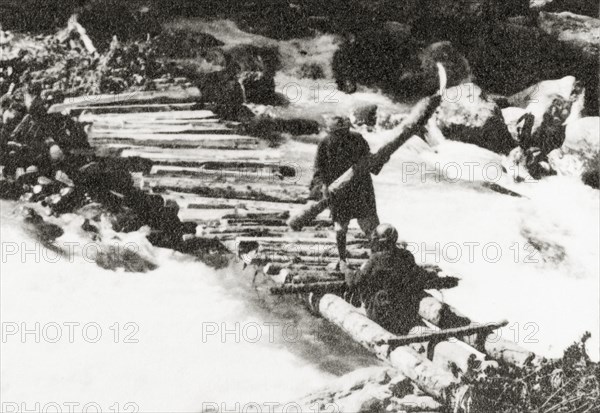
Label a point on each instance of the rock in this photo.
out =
(579, 154)
(511, 116)
(583, 32)
(506, 58)
(456, 65)
(462, 11)
(591, 174)
(255, 67)
(414, 403)
(553, 104)
(272, 129)
(541, 93)
(585, 7)
(583, 135)
(467, 115)
(365, 115)
(375, 58)
(117, 257)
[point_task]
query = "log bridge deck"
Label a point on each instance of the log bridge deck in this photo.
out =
(241, 191)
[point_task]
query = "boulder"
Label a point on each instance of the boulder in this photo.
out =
(583, 135)
(552, 105)
(582, 32)
(255, 67)
(585, 7)
(467, 115)
(365, 115)
(512, 117)
(538, 96)
(456, 65)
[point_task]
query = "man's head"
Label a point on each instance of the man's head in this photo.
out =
(384, 236)
(339, 123)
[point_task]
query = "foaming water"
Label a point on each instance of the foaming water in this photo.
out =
(195, 336)
(532, 260)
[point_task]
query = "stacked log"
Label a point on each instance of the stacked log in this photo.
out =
(430, 377)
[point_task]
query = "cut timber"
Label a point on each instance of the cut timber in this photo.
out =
(187, 157)
(430, 378)
(132, 124)
(132, 97)
(326, 287)
(76, 110)
(280, 258)
(188, 115)
(130, 131)
(431, 335)
(222, 144)
(445, 316)
(214, 187)
(169, 138)
(410, 126)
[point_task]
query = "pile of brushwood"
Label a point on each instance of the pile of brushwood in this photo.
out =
(58, 66)
(570, 384)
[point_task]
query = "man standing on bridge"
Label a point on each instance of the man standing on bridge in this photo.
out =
(338, 152)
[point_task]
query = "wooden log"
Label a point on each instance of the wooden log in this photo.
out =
(330, 287)
(129, 98)
(429, 334)
(189, 115)
(415, 121)
(123, 144)
(106, 109)
(445, 316)
(116, 131)
(432, 379)
(279, 258)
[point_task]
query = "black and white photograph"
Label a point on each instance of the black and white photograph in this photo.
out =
(299, 206)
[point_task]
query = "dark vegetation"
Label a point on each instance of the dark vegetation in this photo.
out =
(565, 385)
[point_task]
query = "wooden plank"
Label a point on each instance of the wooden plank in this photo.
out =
(214, 128)
(179, 137)
(442, 334)
(131, 97)
(150, 116)
(132, 144)
(260, 191)
(159, 123)
(152, 107)
(193, 157)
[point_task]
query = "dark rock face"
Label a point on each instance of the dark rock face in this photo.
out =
(256, 67)
(467, 115)
(374, 58)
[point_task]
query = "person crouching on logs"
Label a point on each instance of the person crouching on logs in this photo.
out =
(390, 284)
(337, 153)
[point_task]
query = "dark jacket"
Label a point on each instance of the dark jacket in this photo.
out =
(391, 285)
(337, 153)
